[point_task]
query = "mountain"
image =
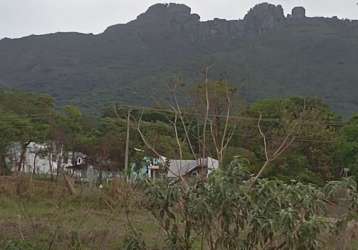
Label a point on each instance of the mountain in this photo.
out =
(267, 54)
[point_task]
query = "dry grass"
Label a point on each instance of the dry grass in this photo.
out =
(42, 215)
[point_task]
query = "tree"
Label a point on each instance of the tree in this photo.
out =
(205, 120)
(309, 121)
(216, 102)
(347, 153)
(70, 132)
(9, 125)
(28, 115)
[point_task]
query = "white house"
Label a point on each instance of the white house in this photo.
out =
(187, 168)
(38, 160)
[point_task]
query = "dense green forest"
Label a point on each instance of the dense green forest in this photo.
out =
(323, 145)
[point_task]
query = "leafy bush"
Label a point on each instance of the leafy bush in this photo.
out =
(231, 212)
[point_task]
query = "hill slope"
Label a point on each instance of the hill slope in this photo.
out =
(266, 54)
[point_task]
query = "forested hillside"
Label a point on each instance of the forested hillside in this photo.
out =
(264, 55)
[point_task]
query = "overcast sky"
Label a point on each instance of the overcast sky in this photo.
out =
(25, 17)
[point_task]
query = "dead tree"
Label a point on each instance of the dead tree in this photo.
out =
(288, 140)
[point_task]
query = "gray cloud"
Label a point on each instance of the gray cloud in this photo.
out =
(24, 17)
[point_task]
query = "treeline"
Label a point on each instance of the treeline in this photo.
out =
(300, 138)
(27, 118)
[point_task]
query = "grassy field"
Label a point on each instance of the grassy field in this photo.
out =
(37, 214)
(42, 215)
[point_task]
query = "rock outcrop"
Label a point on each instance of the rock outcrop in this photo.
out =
(298, 13)
(164, 13)
(263, 17)
(177, 22)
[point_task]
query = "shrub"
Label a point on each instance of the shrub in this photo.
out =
(231, 212)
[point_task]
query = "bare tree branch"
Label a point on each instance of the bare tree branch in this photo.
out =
(226, 127)
(263, 137)
(207, 110)
(177, 136)
(150, 147)
(229, 138)
(218, 150)
(178, 110)
(285, 144)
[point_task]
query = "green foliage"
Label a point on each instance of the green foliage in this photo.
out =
(24, 118)
(294, 166)
(133, 241)
(229, 212)
(313, 126)
(74, 130)
(347, 153)
(320, 150)
(18, 245)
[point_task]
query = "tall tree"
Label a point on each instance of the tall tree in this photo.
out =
(347, 153)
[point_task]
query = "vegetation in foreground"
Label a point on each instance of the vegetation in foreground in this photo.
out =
(42, 215)
(229, 211)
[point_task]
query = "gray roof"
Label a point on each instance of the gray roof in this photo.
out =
(179, 168)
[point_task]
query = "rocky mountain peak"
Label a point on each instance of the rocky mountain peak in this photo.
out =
(159, 18)
(165, 12)
(179, 9)
(263, 17)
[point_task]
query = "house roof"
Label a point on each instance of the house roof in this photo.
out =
(179, 168)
